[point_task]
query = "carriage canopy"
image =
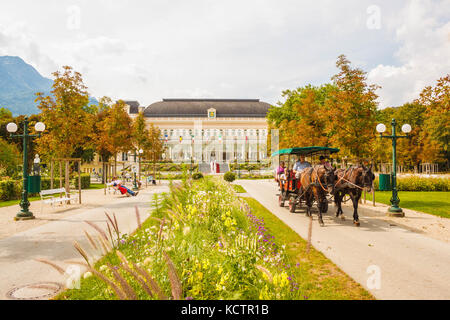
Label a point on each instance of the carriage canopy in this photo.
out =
(306, 151)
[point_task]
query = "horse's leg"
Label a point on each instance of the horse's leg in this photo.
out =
(308, 203)
(338, 201)
(319, 205)
(355, 198)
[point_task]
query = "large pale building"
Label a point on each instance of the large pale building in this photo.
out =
(202, 130)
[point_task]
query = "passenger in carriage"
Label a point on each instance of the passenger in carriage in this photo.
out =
(325, 163)
(281, 171)
(300, 165)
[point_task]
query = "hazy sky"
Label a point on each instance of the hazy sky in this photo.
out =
(149, 50)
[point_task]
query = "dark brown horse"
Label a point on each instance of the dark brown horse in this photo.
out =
(316, 183)
(352, 181)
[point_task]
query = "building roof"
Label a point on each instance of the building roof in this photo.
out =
(134, 106)
(198, 108)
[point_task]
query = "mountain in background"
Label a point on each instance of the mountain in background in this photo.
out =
(19, 83)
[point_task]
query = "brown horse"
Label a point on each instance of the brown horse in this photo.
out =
(352, 181)
(316, 183)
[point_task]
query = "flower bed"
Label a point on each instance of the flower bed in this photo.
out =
(201, 242)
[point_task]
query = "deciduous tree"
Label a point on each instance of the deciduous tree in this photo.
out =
(65, 114)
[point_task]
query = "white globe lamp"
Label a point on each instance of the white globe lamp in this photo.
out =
(381, 128)
(11, 127)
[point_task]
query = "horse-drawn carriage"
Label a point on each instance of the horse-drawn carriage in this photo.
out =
(315, 183)
(290, 184)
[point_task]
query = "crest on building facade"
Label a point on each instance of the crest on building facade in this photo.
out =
(211, 113)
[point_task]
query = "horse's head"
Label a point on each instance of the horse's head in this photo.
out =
(327, 177)
(330, 178)
(367, 178)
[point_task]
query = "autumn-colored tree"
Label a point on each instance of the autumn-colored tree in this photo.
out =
(302, 117)
(351, 109)
(140, 133)
(65, 114)
(437, 121)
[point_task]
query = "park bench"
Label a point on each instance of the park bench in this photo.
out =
(48, 197)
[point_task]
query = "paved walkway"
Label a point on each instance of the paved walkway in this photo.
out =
(52, 239)
(412, 265)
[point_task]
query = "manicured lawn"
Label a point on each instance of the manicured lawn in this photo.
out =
(14, 202)
(238, 188)
(320, 278)
(96, 186)
(436, 203)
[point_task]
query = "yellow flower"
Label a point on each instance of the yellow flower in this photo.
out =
(200, 275)
(206, 264)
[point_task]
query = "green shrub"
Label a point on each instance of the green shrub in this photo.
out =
(85, 181)
(45, 183)
(229, 176)
(197, 176)
(420, 184)
(10, 190)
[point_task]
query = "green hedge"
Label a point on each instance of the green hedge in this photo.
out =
(420, 184)
(85, 181)
(10, 190)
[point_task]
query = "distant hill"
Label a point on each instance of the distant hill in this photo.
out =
(19, 82)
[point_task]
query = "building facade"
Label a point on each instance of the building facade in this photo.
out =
(202, 130)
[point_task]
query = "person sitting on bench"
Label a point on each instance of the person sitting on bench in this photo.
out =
(124, 190)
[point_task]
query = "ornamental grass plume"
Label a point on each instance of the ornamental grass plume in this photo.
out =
(125, 266)
(265, 271)
(129, 292)
(91, 240)
(177, 290)
(117, 290)
(153, 284)
(54, 265)
(138, 217)
(82, 252)
(98, 229)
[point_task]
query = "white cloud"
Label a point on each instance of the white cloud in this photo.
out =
(147, 50)
(423, 53)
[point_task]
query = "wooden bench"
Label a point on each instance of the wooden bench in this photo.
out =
(48, 197)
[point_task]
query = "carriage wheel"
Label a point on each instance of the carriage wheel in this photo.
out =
(281, 200)
(292, 205)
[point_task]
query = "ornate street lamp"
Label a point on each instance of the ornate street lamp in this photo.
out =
(394, 209)
(25, 214)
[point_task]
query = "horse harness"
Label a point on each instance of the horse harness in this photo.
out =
(351, 183)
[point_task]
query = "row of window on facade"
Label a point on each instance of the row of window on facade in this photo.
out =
(213, 132)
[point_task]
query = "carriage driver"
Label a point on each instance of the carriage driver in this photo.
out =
(300, 165)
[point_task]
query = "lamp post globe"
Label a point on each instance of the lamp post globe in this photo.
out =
(406, 128)
(381, 128)
(11, 127)
(39, 127)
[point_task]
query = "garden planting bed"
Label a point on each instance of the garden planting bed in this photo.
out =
(202, 242)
